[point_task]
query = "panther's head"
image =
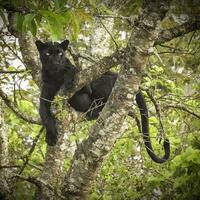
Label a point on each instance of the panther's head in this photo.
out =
(52, 55)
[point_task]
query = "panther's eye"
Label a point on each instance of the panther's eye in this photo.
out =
(60, 53)
(47, 53)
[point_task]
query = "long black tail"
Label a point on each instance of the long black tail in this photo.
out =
(145, 130)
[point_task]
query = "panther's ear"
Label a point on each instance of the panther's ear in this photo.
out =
(64, 44)
(40, 45)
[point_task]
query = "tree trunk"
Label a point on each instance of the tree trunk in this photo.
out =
(91, 152)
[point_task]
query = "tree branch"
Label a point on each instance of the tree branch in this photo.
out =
(42, 185)
(128, 19)
(13, 52)
(116, 45)
(169, 34)
(183, 108)
(157, 108)
(9, 166)
(16, 111)
(12, 72)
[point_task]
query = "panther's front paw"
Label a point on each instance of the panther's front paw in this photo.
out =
(51, 137)
(69, 83)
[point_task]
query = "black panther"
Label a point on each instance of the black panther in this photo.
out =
(57, 72)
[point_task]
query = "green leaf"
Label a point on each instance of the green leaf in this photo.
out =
(73, 19)
(33, 4)
(19, 21)
(56, 29)
(92, 3)
(76, 26)
(15, 3)
(59, 4)
(84, 16)
(73, 138)
(56, 24)
(33, 27)
(29, 23)
(56, 4)
(51, 15)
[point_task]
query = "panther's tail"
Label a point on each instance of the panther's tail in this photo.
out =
(145, 130)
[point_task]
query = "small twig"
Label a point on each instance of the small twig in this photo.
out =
(14, 53)
(16, 111)
(34, 166)
(191, 39)
(132, 114)
(170, 47)
(115, 17)
(9, 166)
(41, 152)
(87, 57)
(180, 107)
(12, 72)
(157, 112)
(159, 58)
(78, 55)
(182, 53)
(117, 46)
(46, 99)
(34, 180)
(175, 50)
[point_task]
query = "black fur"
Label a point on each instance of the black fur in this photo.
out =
(58, 71)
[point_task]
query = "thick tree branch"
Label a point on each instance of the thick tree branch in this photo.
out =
(96, 70)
